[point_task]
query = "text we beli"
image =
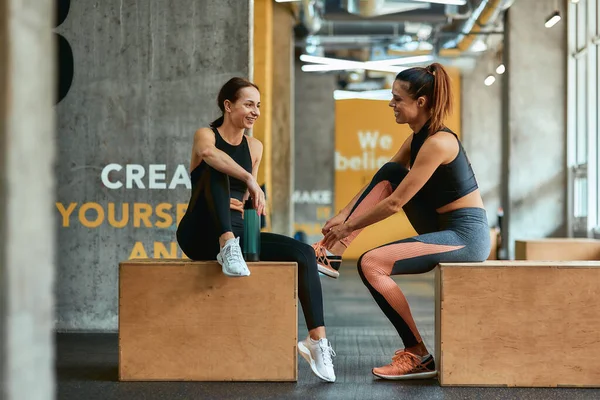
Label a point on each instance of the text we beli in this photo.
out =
(371, 143)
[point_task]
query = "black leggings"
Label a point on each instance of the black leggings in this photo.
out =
(208, 216)
(457, 236)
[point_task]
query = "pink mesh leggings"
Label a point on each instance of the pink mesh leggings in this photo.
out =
(457, 236)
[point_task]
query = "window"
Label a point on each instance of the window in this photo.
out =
(583, 122)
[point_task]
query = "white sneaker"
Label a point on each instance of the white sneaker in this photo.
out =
(231, 259)
(318, 355)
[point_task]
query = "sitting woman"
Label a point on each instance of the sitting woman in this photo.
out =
(224, 167)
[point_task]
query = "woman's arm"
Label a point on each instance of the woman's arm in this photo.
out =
(437, 150)
(204, 147)
(256, 152)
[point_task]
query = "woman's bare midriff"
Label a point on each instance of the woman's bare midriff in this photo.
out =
(472, 199)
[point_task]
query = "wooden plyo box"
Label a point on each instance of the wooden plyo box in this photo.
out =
(181, 320)
(518, 323)
(567, 249)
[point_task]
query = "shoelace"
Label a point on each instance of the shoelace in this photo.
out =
(327, 352)
(232, 253)
(405, 360)
(321, 255)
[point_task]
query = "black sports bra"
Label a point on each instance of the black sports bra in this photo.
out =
(449, 182)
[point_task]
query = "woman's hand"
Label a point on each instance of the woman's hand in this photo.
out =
(336, 234)
(236, 205)
(258, 197)
(335, 221)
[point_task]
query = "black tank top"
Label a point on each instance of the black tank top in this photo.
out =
(240, 154)
(449, 182)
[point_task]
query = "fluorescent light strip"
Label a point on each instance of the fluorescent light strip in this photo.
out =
(334, 64)
(350, 65)
(387, 62)
(382, 94)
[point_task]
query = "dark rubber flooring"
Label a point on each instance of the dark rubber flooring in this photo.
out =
(87, 363)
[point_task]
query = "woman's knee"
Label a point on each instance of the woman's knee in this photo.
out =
(390, 171)
(371, 265)
(362, 265)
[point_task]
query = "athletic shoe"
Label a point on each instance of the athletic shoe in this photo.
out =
(327, 263)
(318, 355)
(407, 365)
(231, 259)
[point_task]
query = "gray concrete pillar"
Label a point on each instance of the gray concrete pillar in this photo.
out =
(282, 134)
(146, 77)
(314, 144)
(26, 192)
(534, 176)
(482, 129)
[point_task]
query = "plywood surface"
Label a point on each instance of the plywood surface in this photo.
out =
(558, 249)
(532, 326)
(523, 264)
(187, 321)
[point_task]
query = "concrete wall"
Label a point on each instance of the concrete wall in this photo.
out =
(535, 130)
(314, 121)
(26, 192)
(146, 77)
(482, 130)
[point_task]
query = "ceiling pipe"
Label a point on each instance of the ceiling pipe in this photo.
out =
(372, 8)
(483, 15)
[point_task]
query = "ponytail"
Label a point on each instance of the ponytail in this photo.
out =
(441, 101)
(217, 122)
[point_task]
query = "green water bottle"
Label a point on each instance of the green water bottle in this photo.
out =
(251, 245)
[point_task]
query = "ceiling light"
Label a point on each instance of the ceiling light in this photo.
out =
(385, 62)
(489, 81)
(449, 2)
(335, 64)
(552, 19)
(351, 66)
(479, 46)
(500, 69)
(380, 94)
(574, 1)
(286, 1)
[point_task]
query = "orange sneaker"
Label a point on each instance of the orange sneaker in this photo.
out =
(407, 365)
(327, 264)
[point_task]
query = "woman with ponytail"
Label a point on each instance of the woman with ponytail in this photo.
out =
(223, 170)
(431, 179)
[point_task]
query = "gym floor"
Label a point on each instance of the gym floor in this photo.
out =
(87, 363)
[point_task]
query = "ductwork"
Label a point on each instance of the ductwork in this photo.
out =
(361, 28)
(484, 14)
(311, 15)
(373, 8)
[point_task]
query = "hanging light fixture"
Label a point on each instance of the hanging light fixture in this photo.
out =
(552, 19)
(489, 81)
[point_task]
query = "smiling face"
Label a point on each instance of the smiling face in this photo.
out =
(406, 109)
(246, 109)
